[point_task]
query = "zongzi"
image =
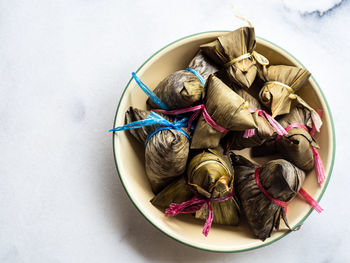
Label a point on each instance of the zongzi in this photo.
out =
(234, 53)
(265, 191)
(211, 175)
(176, 192)
(282, 82)
(297, 146)
(226, 109)
(184, 88)
(166, 149)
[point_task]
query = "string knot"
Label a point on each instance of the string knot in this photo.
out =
(195, 204)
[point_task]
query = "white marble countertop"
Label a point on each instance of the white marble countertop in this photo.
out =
(63, 67)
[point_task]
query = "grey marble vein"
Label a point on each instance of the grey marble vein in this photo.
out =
(329, 11)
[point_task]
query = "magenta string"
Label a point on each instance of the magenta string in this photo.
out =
(263, 190)
(196, 111)
(318, 162)
(275, 124)
(283, 204)
(319, 167)
(277, 127)
(195, 204)
(248, 133)
(310, 200)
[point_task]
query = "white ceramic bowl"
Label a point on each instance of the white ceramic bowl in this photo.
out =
(129, 154)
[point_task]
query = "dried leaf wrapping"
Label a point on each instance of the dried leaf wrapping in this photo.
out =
(202, 65)
(166, 152)
(253, 102)
(225, 50)
(134, 114)
(227, 109)
(176, 192)
(278, 98)
(236, 141)
(263, 132)
(297, 145)
(281, 179)
(211, 175)
(182, 88)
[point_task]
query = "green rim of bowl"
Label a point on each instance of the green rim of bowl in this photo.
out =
(213, 250)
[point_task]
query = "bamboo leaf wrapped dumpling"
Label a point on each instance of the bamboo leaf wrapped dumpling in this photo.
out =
(176, 192)
(297, 145)
(227, 109)
(184, 88)
(279, 178)
(211, 178)
(211, 175)
(166, 151)
(234, 53)
(282, 82)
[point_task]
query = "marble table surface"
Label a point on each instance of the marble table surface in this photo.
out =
(63, 67)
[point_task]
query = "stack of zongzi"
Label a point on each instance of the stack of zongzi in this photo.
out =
(210, 110)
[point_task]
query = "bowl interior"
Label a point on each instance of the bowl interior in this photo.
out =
(129, 154)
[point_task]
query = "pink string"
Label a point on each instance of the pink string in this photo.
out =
(278, 128)
(249, 133)
(209, 221)
(196, 111)
(318, 162)
(302, 192)
(189, 206)
(319, 167)
(262, 189)
(310, 200)
(195, 204)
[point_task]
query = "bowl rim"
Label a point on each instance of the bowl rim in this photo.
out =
(187, 243)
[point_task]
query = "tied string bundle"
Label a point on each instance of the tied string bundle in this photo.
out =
(155, 119)
(195, 109)
(318, 162)
(195, 204)
(283, 204)
(278, 128)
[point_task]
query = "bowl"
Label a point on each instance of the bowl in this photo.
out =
(129, 154)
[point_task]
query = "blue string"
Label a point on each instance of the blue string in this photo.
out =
(149, 93)
(155, 119)
(199, 76)
(176, 126)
